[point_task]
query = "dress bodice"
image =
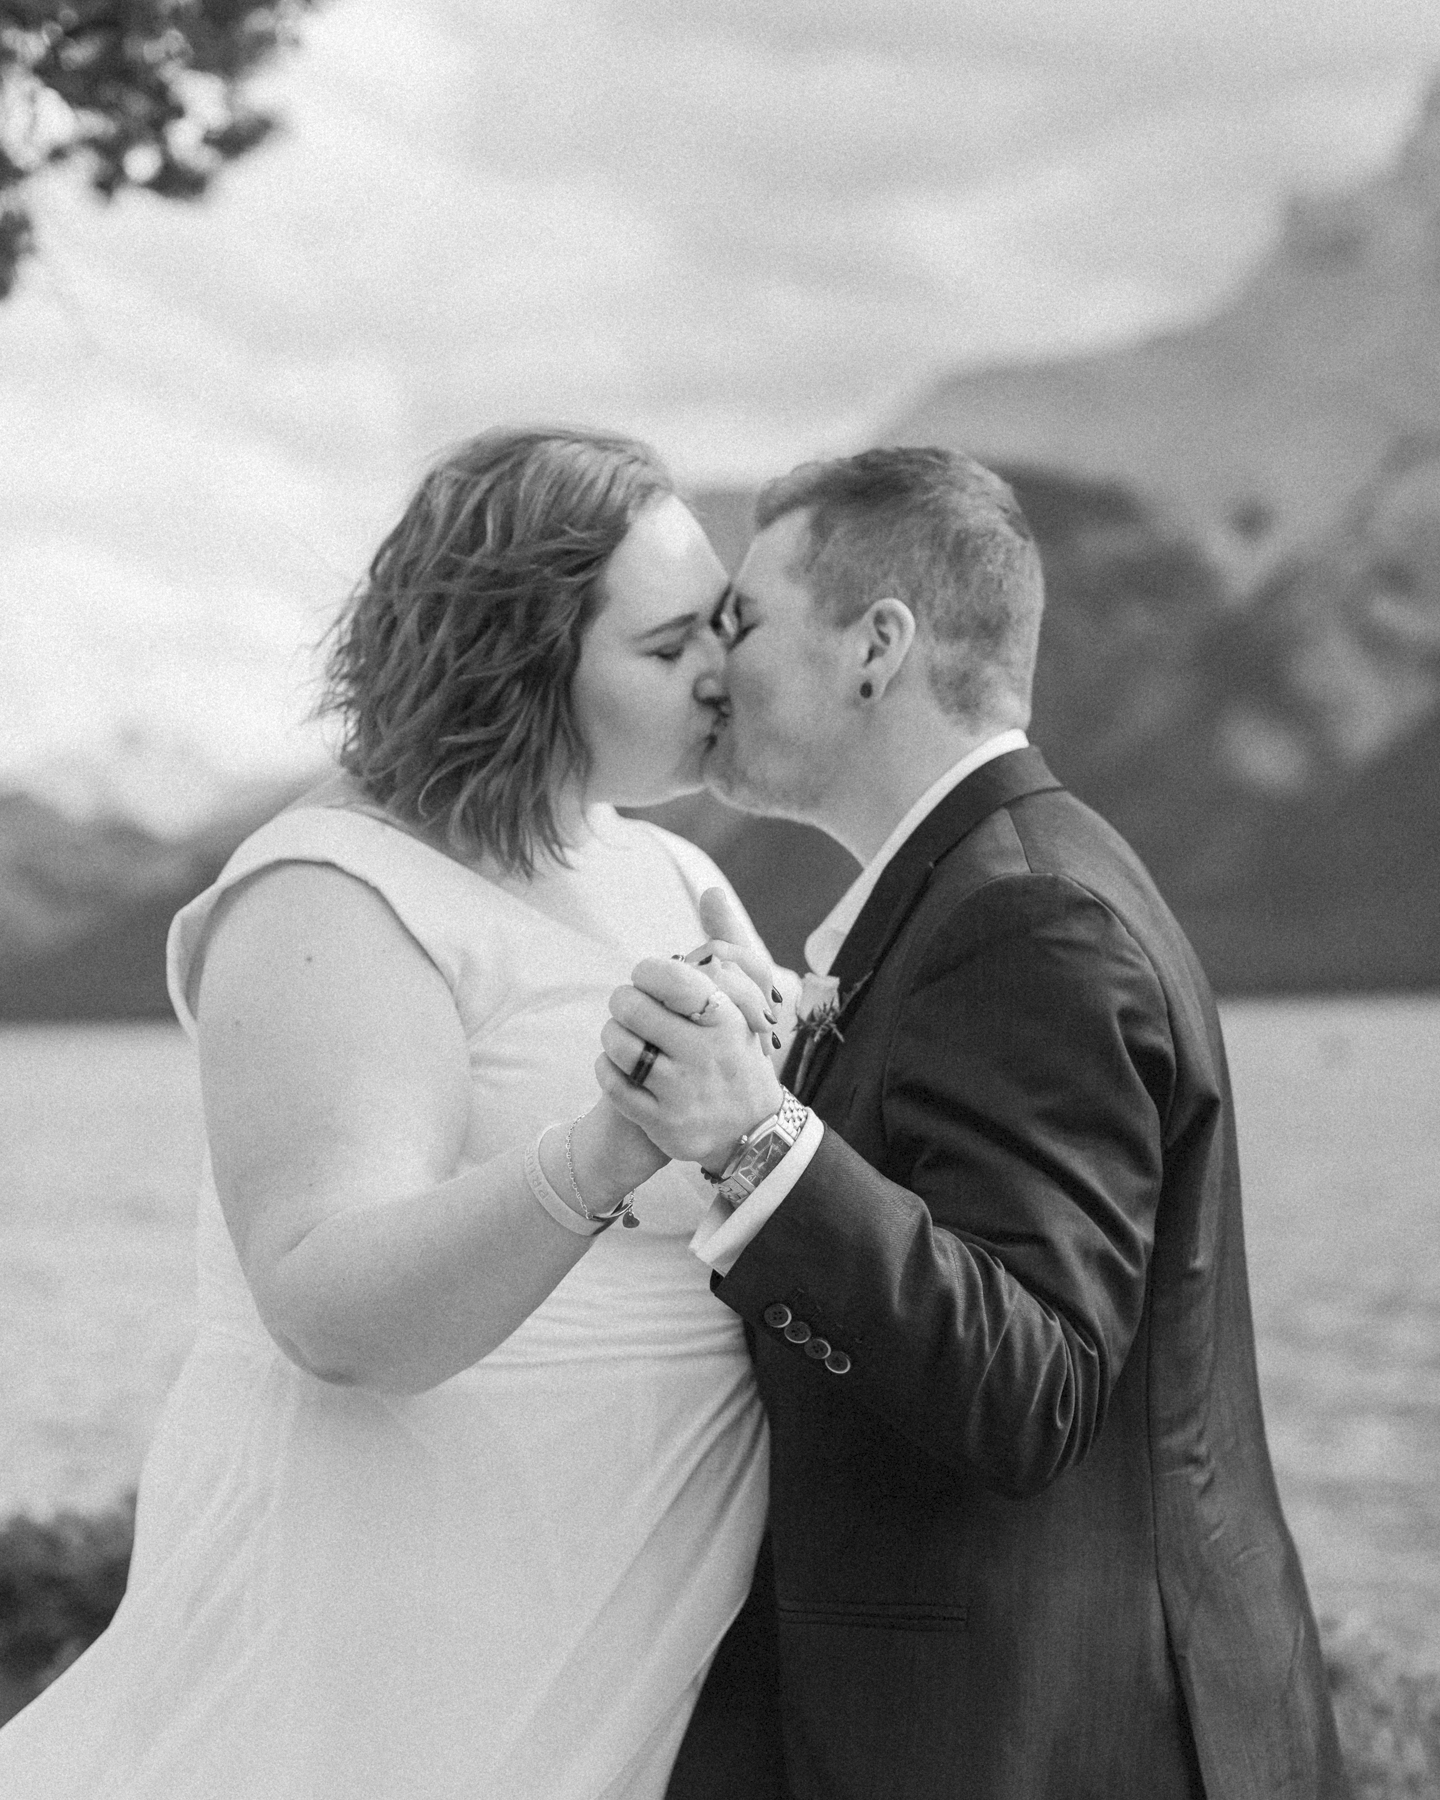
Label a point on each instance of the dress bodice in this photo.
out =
(531, 965)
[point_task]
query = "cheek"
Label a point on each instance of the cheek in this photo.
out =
(753, 691)
(772, 699)
(630, 712)
(599, 703)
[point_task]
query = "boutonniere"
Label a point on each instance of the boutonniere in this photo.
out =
(818, 1015)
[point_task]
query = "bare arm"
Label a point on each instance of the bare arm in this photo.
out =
(337, 1102)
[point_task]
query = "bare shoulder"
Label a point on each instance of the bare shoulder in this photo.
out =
(333, 1062)
(310, 915)
(303, 955)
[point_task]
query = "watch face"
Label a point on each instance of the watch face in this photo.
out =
(762, 1153)
(750, 1164)
(762, 1150)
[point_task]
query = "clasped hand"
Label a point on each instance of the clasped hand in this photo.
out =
(712, 1018)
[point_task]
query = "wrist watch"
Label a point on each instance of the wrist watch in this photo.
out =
(760, 1149)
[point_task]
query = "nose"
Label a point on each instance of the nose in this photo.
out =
(710, 691)
(710, 682)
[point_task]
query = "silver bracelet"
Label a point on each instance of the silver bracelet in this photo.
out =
(623, 1209)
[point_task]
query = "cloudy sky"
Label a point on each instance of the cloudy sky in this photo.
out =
(745, 228)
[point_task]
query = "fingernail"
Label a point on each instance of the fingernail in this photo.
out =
(775, 1039)
(771, 1017)
(675, 956)
(776, 996)
(703, 960)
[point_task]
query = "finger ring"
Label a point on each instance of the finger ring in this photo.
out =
(644, 1063)
(711, 999)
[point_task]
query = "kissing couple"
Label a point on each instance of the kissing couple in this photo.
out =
(904, 1439)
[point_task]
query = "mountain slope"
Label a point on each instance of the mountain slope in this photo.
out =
(85, 905)
(1274, 755)
(1262, 420)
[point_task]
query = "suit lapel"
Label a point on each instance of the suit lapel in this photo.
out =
(994, 784)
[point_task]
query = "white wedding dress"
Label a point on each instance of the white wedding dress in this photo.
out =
(509, 1587)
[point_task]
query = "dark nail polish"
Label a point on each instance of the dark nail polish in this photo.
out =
(703, 960)
(776, 995)
(775, 1039)
(675, 956)
(771, 1018)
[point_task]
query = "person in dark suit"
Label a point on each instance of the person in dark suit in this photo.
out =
(1025, 1541)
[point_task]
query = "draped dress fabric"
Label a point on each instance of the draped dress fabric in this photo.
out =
(508, 1587)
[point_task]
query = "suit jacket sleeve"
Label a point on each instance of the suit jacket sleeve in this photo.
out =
(989, 1286)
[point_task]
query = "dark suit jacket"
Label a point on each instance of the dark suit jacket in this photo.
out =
(1027, 1545)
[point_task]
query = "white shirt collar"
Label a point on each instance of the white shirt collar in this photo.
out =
(823, 944)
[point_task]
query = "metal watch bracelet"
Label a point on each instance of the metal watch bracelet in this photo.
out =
(761, 1149)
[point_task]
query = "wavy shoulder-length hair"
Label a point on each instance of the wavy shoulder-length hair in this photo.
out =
(451, 666)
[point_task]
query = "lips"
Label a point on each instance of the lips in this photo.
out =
(719, 720)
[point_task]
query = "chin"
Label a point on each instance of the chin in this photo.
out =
(683, 785)
(652, 790)
(738, 787)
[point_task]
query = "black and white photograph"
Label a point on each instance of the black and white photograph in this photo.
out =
(719, 900)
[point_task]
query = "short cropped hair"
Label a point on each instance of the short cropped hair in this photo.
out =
(451, 665)
(941, 532)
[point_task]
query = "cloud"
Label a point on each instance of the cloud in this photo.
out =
(1228, 38)
(739, 228)
(618, 211)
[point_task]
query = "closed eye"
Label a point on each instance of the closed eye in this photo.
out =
(728, 623)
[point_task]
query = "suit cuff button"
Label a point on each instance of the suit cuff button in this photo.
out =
(838, 1363)
(819, 1348)
(778, 1316)
(798, 1331)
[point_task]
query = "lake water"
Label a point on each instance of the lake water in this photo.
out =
(1340, 1137)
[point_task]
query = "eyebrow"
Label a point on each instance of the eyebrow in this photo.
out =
(681, 620)
(688, 620)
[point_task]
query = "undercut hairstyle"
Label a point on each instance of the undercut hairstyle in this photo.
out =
(451, 666)
(941, 532)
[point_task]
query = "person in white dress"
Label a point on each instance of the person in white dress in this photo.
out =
(458, 1489)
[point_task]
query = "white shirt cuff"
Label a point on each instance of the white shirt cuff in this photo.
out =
(722, 1234)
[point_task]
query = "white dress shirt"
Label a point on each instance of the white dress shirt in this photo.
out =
(723, 1234)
